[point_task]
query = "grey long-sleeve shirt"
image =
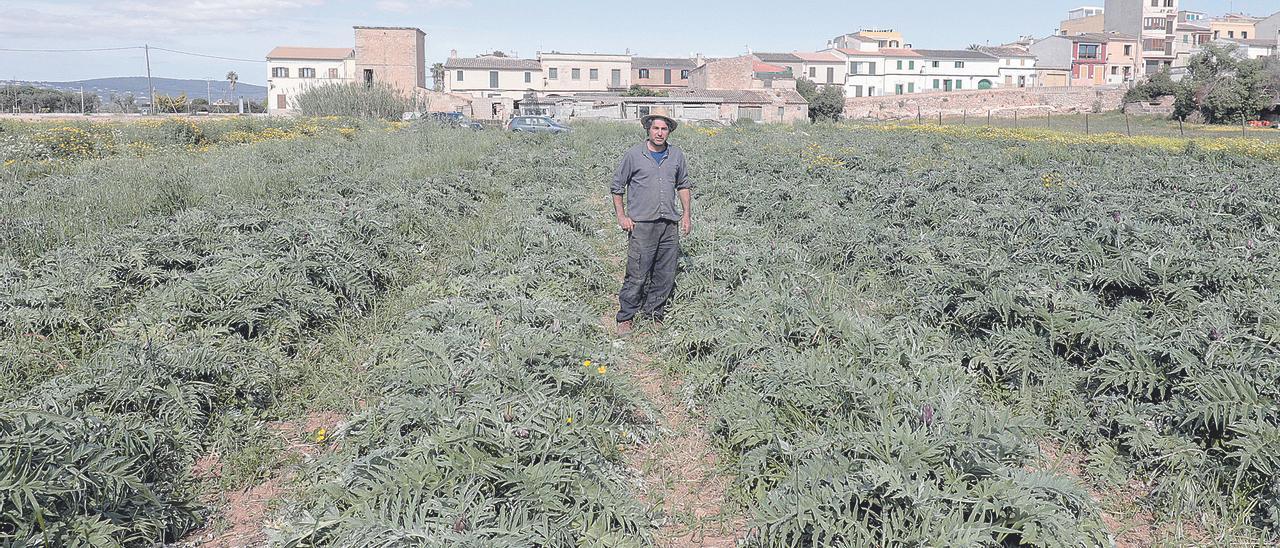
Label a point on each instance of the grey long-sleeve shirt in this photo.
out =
(651, 188)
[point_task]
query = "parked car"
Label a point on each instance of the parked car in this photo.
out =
(536, 124)
(453, 119)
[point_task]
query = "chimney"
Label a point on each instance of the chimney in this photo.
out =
(699, 60)
(453, 54)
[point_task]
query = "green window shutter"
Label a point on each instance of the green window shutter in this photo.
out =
(899, 64)
(959, 84)
(911, 88)
(913, 65)
(935, 83)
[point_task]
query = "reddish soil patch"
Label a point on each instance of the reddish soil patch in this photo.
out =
(679, 470)
(1128, 522)
(242, 515)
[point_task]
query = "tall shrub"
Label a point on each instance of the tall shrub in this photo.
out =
(353, 99)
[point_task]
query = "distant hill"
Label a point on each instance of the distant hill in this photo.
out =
(137, 85)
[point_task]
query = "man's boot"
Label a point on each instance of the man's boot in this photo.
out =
(624, 328)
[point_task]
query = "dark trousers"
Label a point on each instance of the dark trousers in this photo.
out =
(652, 253)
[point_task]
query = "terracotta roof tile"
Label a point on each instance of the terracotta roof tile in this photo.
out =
(319, 54)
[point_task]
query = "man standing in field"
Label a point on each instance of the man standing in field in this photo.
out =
(651, 175)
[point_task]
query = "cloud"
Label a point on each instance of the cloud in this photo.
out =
(133, 19)
(407, 6)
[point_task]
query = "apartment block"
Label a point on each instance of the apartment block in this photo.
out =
(1153, 22)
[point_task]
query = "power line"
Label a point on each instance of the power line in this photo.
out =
(209, 56)
(68, 50)
(180, 52)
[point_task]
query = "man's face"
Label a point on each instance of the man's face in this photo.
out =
(658, 131)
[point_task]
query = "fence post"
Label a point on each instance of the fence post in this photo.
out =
(1180, 133)
(988, 118)
(964, 117)
(939, 117)
(1242, 130)
(919, 116)
(1048, 123)
(1086, 123)
(1127, 128)
(1015, 118)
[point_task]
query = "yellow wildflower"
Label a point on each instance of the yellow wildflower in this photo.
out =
(586, 363)
(321, 435)
(568, 420)
(602, 369)
(8, 163)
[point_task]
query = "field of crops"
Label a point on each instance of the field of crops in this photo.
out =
(889, 337)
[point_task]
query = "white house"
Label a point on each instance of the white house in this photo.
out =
(1017, 66)
(291, 70)
(489, 76)
(569, 73)
(948, 69)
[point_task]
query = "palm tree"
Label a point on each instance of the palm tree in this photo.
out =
(437, 76)
(232, 78)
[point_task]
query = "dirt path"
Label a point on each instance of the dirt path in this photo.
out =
(679, 469)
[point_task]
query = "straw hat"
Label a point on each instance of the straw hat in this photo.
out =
(671, 124)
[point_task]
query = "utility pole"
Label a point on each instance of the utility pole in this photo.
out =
(151, 88)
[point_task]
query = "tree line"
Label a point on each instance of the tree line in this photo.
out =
(1219, 87)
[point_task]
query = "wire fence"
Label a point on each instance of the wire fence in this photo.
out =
(1096, 123)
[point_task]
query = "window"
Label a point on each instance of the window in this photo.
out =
(306, 72)
(936, 64)
(1155, 23)
(644, 74)
(594, 74)
(1244, 35)
(642, 111)
(1023, 61)
(911, 87)
(936, 84)
(751, 113)
(684, 74)
(813, 72)
(1128, 49)
(1022, 81)
(493, 79)
(831, 75)
(553, 73)
(871, 69)
(782, 113)
(911, 65)
(279, 72)
(666, 76)
(959, 84)
(575, 74)
(1231, 34)
(459, 77)
(333, 73)
(528, 77)
(897, 89)
(899, 64)
(368, 77)
(959, 64)
(615, 78)
(1087, 51)
(853, 67)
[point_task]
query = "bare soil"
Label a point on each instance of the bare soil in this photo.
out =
(1127, 520)
(241, 516)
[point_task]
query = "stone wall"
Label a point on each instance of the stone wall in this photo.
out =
(974, 103)
(396, 55)
(1162, 106)
(734, 73)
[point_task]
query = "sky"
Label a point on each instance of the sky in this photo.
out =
(248, 29)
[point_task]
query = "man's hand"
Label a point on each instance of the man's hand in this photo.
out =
(686, 224)
(625, 223)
